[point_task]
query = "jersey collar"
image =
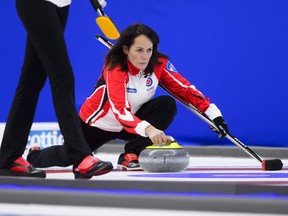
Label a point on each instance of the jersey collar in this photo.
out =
(133, 69)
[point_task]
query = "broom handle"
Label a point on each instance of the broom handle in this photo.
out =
(211, 123)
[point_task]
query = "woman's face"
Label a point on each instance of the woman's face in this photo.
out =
(140, 52)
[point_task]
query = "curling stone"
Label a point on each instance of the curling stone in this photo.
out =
(164, 158)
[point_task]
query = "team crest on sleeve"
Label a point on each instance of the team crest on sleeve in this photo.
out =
(170, 67)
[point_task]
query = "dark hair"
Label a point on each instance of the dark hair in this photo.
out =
(116, 56)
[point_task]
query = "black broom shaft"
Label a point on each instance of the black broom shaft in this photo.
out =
(209, 122)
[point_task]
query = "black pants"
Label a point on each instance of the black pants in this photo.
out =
(45, 56)
(159, 112)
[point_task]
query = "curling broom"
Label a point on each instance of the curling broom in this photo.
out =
(104, 22)
(271, 164)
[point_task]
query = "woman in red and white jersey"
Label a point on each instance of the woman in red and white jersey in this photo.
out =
(123, 106)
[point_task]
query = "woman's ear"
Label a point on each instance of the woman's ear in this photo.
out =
(125, 50)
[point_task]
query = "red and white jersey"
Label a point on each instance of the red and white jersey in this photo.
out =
(119, 94)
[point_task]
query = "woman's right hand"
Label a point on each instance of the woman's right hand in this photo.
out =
(156, 136)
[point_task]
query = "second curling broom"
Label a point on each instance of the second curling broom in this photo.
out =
(104, 22)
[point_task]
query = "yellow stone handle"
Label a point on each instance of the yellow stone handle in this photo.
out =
(171, 144)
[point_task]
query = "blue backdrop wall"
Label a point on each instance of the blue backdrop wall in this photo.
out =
(235, 52)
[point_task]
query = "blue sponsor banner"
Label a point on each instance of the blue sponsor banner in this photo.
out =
(41, 134)
(44, 135)
(45, 138)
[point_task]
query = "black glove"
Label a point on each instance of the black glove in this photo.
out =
(221, 126)
(98, 4)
